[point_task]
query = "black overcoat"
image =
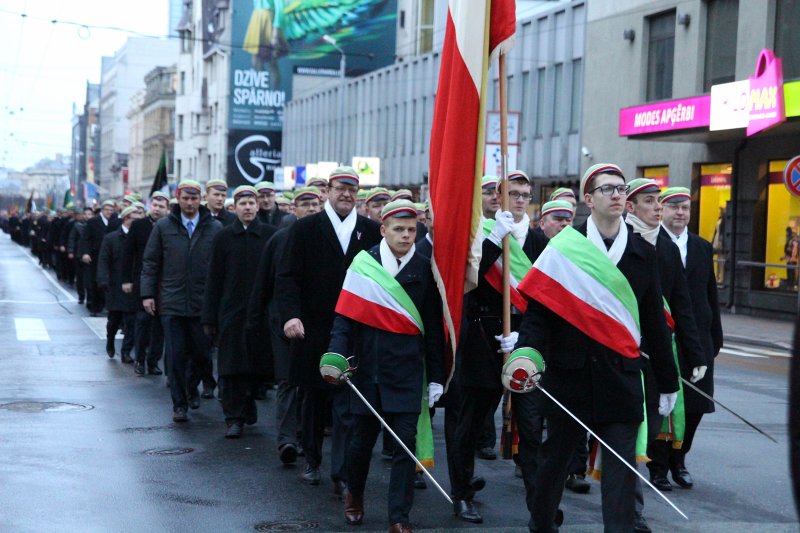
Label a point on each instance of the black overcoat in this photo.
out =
(390, 365)
(109, 273)
(595, 383)
(702, 284)
(231, 272)
(310, 276)
(92, 239)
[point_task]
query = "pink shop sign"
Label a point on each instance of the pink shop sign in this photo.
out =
(686, 113)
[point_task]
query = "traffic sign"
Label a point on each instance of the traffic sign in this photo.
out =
(791, 176)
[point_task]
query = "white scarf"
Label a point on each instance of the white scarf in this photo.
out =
(649, 234)
(124, 229)
(620, 241)
(681, 241)
(389, 261)
(520, 229)
(342, 228)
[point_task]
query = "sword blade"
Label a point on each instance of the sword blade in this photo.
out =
(400, 442)
(612, 450)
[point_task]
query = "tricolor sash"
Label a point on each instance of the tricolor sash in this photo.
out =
(520, 265)
(578, 282)
(371, 296)
(673, 427)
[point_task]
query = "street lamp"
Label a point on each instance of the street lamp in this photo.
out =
(342, 63)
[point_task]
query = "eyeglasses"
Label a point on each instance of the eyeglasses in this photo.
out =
(490, 192)
(516, 195)
(341, 189)
(608, 190)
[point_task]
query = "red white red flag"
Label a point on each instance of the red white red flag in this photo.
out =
(476, 29)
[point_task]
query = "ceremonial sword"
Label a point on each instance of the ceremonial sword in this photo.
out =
(400, 442)
(731, 411)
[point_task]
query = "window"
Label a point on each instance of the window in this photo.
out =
(540, 79)
(183, 82)
(425, 27)
(660, 56)
(783, 243)
(558, 98)
(715, 192)
(721, 21)
(180, 127)
(787, 38)
(577, 93)
(525, 108)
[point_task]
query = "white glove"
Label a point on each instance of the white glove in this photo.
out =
(507, 343)
(698, 373)
(504, 222)
(666, 403)
(435, 391)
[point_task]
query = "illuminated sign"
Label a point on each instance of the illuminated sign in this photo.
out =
(756, 103)
(369, 170)
(665, 116)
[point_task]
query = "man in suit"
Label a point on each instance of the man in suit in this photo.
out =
(149, 333)
(241, 362)
(174, 270)
(216, 194)
(263, 315)
(96, 229)
(589, 373)
(697, 258)
(392, 363)
(318, 251)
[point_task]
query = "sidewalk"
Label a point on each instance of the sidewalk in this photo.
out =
(767, 332)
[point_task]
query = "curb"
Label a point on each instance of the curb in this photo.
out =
(761, 343)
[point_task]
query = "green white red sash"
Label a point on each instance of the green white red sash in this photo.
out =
(520, 266)
(371, 296)
(578, 282)
(673, 427)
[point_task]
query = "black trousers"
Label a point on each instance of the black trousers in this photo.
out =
(401, 479)
(80, 280)
(127, 321)
(528, 416)
(580, 458)
(475, 404)
(452, 415)
(187, 348)
(618, 488)
(488, 434)
(663, 456)
(317, 404)
(238, 397)
(149, 339)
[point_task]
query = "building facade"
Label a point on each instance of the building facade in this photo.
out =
(388, 113)
(665, 98)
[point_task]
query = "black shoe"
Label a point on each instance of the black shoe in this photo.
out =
(559, 520)
(179, 415)
(339, 487)
(640, 524)
(208, 393)
(138, 368)
(287, 453)
(477, 483)
(126, 358)
(419, 481)
(234, 430)
(251, 418)
(311, 475)
(80, 302)
(465, 510)
(153, 370)
(577, 483)
(682, 477)
(486, 453)
(660, 482)
(194, 403)
(110, 351)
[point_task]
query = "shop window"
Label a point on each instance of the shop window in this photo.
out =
(660, 174)
(783, 218)
(660, 56)
(722, 20)
(715, 193)
(787, 38)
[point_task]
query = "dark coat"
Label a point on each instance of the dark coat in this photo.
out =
(596, 383)
(109, 273)
(274, 217)
(175, 266)
(310, 276)
(231, 274)
(225, 217)
(75, 236)
(92, 239)
(481, 364)
(390, 365)
(133, 251)
(263, 316)
(702, 285)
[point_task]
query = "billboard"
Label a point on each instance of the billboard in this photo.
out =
(273, 38)
(253, 156)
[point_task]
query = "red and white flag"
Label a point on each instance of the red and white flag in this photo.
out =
(476, 30)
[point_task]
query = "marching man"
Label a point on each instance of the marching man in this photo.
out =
(389, 319)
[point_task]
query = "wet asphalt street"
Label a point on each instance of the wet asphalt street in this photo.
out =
(87, 446)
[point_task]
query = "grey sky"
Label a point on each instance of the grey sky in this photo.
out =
(44, 66)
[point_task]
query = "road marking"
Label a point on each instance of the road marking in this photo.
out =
(27, 302)
(728, 351)
(57, 285)
(98, 326)
(31, 329)
(755, 350)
